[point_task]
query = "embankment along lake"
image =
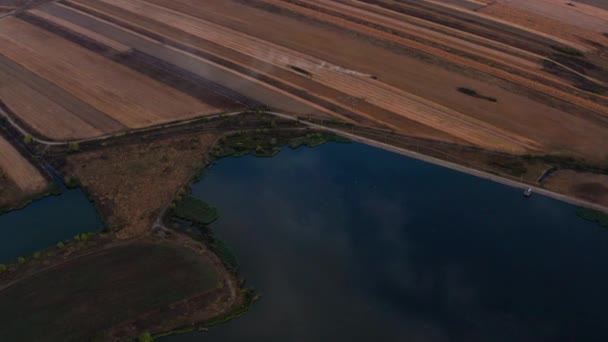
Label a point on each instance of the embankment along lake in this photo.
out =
(346, 242)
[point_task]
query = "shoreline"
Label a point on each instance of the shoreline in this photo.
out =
(371, 142)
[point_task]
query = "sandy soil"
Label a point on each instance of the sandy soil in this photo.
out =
(592, 187)
(19, 169)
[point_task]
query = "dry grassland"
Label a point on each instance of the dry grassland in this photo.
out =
(591, 187)
(131, 203)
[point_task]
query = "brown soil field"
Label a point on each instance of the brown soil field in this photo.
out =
(588, 186)
(581, 15)
(105, 290)
(596, 3)
(396, 65)
(391, 64)
(11, 196)
(123, 97)
(542, 23)
(408, 74)
(19, 169)
(413, 91)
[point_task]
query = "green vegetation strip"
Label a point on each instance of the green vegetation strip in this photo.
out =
(192, 209)
(567, 50)
(264, 143)
(593, 216)
(249, 297)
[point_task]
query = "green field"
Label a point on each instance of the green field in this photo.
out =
(77, 301)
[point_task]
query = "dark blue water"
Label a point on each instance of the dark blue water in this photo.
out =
(352, 243)
(45, 222)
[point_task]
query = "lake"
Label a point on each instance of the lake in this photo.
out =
(346, 242)
(45, 222)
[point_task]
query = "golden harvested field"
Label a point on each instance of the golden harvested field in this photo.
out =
(499, 76)
(19, 169)
(99, 96)
(545, 24)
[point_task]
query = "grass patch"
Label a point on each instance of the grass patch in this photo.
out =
(566, 163)
(223, 251)
(514, 167)
(194, 210)
(593, 216)
(473, 93)
(567, 50)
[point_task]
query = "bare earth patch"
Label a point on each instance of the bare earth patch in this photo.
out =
(131, 182)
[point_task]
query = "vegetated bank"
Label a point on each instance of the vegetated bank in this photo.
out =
(131, 178)
(192, 216)
(593, 216)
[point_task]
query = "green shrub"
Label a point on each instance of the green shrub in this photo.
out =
(21, 260)
(28, 139)
(593, 216)
(145, 337)
(37, 255)
(60, 245)
(3, 268)
(73, 147)
(567, 50)
(195, 210)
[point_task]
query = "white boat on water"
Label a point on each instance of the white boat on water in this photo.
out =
(528, 192)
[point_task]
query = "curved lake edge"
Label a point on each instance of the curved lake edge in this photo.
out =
(58, 191)
(262, 153)
(52, 190)
(228, 147)
(233, 188)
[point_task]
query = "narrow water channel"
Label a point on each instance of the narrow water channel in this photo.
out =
(45, 222)
(347, 242)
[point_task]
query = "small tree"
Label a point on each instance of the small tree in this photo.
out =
(73, 147)
(145, 337)
(21, 260)
(60, 245)
(3, 268)
(28, 139)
